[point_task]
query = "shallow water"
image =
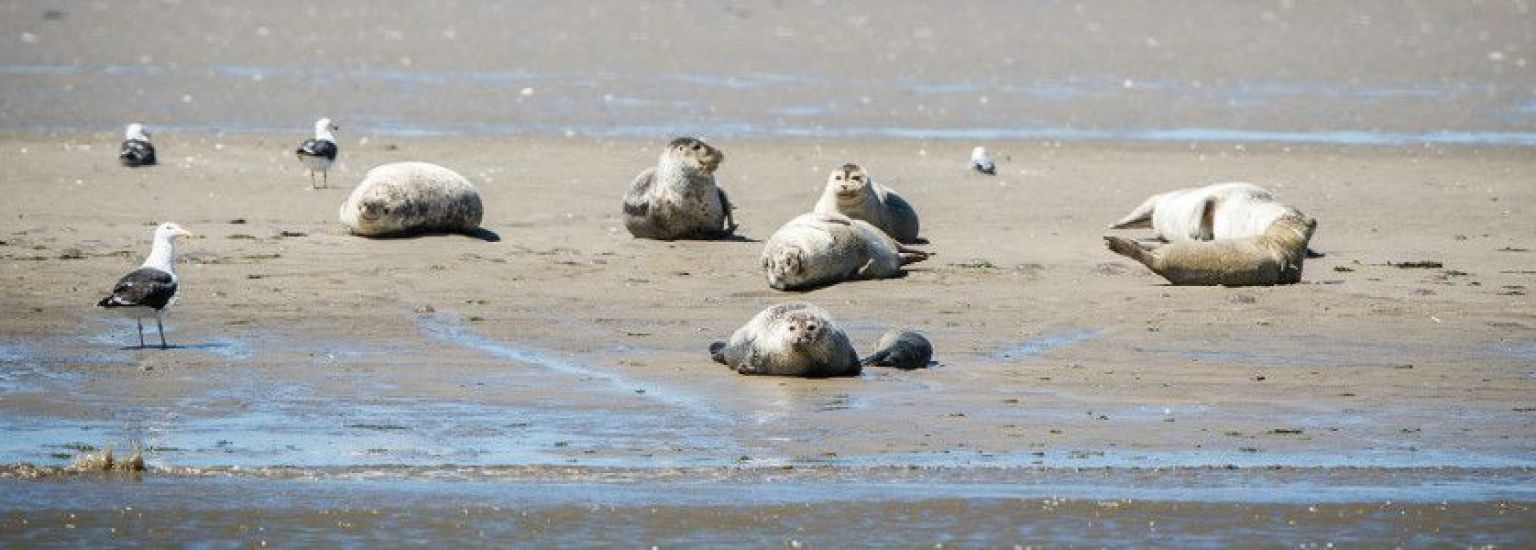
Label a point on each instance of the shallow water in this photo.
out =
(1061, 507)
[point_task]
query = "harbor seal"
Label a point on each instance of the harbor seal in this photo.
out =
(793, 339)
(1272, 258)
(678, 198)
(406, 198)
(817, 249)
(1241, 210)
(903, 349)
(851, 193)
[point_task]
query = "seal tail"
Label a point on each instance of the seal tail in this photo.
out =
(717, 352)
(1129, 249)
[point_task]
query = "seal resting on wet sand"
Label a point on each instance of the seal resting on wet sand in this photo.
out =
(678, 198)
(1271, 258)
(852, 193)
(1240, 210)
(408, 198)
(902, 349)
(823, 248)
(793, 339)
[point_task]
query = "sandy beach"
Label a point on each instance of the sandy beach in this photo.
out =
(565, 366)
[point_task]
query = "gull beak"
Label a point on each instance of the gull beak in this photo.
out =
(185, 233)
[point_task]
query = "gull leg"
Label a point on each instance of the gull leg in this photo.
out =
(141, 331)
(325, 179)
(161, 326)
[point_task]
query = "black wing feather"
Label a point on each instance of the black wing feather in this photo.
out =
(318, 148)
(136, 152)
(145, 287)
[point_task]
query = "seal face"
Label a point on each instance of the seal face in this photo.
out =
(902, 349)
(1275, 257)
(792, 339)
(407, 198)
(852, 193)
(678, 198)
(817, 249)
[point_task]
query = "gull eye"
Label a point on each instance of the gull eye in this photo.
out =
(791, 328)
(838, 177)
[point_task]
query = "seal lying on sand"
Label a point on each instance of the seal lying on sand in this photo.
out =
(677, 198)
(407, 198)
(819, 248)
(1241, 210)
(903, 349)
(794, 339)
(851, 193)
(1271, 258)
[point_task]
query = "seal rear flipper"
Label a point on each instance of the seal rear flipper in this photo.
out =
(1129, 249)
(1141, 217)
(875, 358)
(911, 255)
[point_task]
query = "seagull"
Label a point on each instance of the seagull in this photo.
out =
(318, 153)
(136, 149)
(150, 289)
(982, 162)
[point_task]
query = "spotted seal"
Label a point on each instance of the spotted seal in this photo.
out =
(852, 193)
(1273, 257)
(903, 349)
(792, 339)
(817, 249)
(678, 198)
(406, 198)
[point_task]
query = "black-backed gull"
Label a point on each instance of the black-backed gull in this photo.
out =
(319, 152)
(136, 150)
(150, 289)
(982, 162)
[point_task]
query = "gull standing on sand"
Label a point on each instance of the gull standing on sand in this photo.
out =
(150, 289)
(319, 152)
(982, 162)
(136, 150)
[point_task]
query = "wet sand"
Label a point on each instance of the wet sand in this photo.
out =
(565, 364)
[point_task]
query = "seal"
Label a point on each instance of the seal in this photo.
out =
(1241, 210)
(678, 198)
(407, 198)
(903, 349)
(792, 339)
(817, 249)
(1271, 258)
(851, 193)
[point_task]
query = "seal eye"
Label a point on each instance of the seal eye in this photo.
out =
(810, 327)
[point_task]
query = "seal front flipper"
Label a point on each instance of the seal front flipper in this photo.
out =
(1208, 220)
(730, 219)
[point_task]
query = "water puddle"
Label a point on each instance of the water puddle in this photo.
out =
(1046, 343)
(449, 329)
